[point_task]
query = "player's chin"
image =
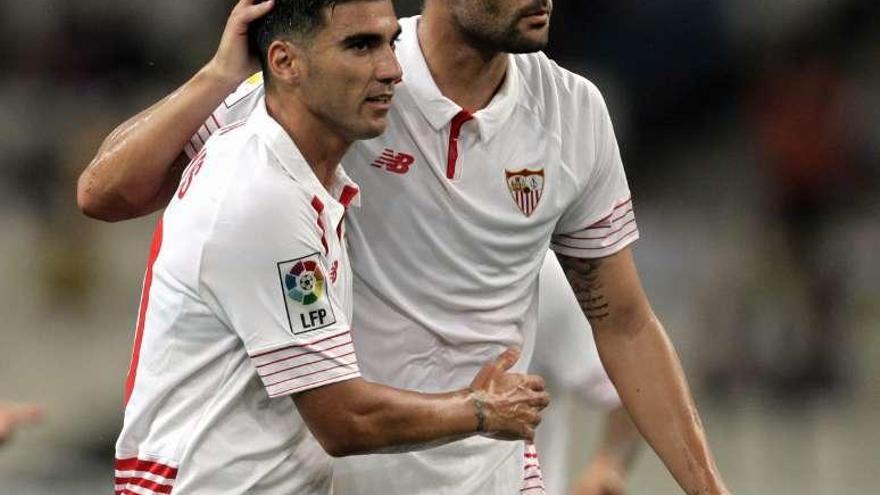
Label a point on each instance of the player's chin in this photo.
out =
(528, 39)
(373, 127)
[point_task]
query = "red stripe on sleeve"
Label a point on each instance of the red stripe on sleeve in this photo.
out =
(296, 346)
(140, 482)
(298, 377)
(293, 359)
(608, 219)
(135, 464)
(321, 360)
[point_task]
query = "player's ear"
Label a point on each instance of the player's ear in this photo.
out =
(285, 61)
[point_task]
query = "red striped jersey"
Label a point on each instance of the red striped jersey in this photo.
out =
(246, 300)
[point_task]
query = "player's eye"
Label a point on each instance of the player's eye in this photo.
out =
(360, 46)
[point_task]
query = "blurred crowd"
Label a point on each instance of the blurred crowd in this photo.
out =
(797, 90)
(749, 130)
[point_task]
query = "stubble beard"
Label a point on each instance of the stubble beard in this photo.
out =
(489, 36)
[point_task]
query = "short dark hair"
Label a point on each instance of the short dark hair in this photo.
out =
(296, 20)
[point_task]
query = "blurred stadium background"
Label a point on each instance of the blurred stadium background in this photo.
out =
(750, 133)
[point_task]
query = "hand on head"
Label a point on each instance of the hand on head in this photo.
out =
(233, 61)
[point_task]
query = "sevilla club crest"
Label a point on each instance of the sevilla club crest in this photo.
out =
(526, 186)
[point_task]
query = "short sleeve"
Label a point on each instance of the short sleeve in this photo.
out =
(601, 221)
(265, 274)
(236, 107)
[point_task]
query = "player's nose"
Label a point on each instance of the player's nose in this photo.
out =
(388, 69)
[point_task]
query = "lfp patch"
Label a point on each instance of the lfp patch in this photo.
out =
(305, 294)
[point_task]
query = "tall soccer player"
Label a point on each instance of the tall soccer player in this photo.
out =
(247, 300)
(492, 154)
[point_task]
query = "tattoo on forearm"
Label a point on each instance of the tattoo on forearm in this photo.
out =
(479, 410)
(583, 275)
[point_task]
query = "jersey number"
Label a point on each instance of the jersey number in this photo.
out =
(190, 173)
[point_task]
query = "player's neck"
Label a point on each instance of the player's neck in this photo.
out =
(465, 74)
(321, 146)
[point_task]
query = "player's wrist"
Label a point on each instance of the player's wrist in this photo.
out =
(477, 401)
(224, 79)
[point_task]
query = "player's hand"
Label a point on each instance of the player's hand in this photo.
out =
(233, 62)
(602, 477)
(509, 403)
(14, 415)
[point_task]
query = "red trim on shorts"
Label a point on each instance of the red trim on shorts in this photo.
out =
(143, 483)
(136, 465)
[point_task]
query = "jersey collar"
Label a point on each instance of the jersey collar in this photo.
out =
(437, 108)
(344, 190)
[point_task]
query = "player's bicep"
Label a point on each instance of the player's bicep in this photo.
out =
(608, 290)
(169, 185)
(328, 410)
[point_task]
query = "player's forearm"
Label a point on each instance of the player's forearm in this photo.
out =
(643, 365)
(402, 421)
(359, 417)
(647, 373)
(134, 165)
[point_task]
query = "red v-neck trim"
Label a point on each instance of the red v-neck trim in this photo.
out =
(454, 133)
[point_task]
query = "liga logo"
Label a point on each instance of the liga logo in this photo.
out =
(526, 187)
(305, 282)
(305, 294)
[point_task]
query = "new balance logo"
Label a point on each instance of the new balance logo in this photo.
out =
(398, 163)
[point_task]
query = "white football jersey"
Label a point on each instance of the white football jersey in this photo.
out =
(246, 300)
(458, 212)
